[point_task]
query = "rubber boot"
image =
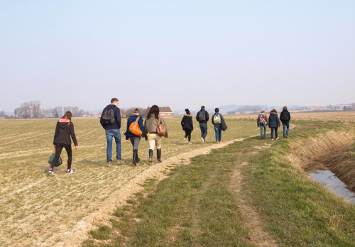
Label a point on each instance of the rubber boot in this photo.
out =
(150, 156)
(137, 159)
(159, 155)
(134, 157)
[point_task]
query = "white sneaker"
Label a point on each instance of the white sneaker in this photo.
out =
(190, 142)
(277, 138)
(272, 139)
(70, 171)
(184, 140)
(50, 173)
(203, 140)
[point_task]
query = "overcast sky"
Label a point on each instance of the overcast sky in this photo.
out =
(176, 53)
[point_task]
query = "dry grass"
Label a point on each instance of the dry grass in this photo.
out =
(40, 210)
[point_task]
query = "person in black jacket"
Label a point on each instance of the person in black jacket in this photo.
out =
(202, 117)
(134, 138)
(285, 118)
(274, 123)
(187, 125)
(63, 131)
(113, 131)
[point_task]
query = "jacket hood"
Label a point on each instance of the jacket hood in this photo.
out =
(187, 115)
(63, 123)
(273, 113)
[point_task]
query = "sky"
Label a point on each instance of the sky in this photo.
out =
(181, 54)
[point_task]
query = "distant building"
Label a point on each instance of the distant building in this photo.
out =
(165, 111)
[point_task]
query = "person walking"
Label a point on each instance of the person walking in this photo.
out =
(285, 118)
(150, 126)
(63, 131)
(202, 117)
(217, 120)
(135, 138)
(262, 122)
(274, 123)
(187, 125)
(111, 122)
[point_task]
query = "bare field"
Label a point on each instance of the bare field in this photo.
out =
(37, 210)
(341, 116)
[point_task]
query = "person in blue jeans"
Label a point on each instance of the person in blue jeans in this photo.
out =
(262, 122)
(285, 118)
(112, 125)
(217, 119)
(274, 123)
(202, 117)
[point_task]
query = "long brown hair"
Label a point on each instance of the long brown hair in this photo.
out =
(68, 115)
(153, 110)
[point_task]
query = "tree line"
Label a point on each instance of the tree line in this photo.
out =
(33, 109)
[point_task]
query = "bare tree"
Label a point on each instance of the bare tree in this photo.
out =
(142, 111)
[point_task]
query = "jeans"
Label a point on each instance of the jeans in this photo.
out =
(262, 127)
(218, 130)
(272, 132)
(117, 135)
(285, 132)
(203, 127)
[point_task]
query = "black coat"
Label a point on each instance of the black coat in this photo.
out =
(186, 123)
(285, 116)
(63, 132)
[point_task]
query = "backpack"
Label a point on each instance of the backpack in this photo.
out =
(201, 116)
(285, 116)
(108, 116)
(217, 119)
(262, 119)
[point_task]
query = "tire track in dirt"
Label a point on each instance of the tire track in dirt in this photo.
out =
(79, 233)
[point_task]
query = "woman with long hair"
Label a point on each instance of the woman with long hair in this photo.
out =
(187, 125)
(150, 126)
(63, 131)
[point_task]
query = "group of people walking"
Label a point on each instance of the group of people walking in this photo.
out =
(273, 121)
(153, 128)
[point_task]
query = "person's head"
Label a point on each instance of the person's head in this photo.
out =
(203, 107)
(216, 110)
(285, 108)
(136, 111)
(262, 111)
(153, 110)
(114, 101)
(67, 115)
(273, 110)
(187, 111)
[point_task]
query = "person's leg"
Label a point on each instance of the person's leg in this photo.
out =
(261, 130)
(158, 143)
(136, 146)
(188, 135)
(220, 133)
(70, 155)
(117, 135)
(284, 129)
(264, 130)
(272, 133)
(203, 127)
(216, 132)
(276, 135)
(109, 136)
(151, 143)
(288, 127)
(58, 150)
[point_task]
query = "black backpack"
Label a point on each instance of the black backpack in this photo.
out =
(108, 116)
(201, 116)
(285, 116)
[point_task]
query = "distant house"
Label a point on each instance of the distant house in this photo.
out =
(165, 111)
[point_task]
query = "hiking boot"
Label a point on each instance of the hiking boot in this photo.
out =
(51, 173)
(137, 159)
(70, 171)
(150, 156)
(109, 163)
(120, 162)
(159, 155)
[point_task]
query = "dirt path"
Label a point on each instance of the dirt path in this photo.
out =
(158, 171)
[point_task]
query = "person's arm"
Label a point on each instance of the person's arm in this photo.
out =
(191, 122)
(118, 118)
(166, 128)
(207, 116)
(72, 133)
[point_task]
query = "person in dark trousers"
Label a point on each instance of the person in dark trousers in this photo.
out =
(274, 123)
(202, 117)
(134, 139)
(187, 125)
(285, 118)
(63, 131)
(113, 131)
(217, 119)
